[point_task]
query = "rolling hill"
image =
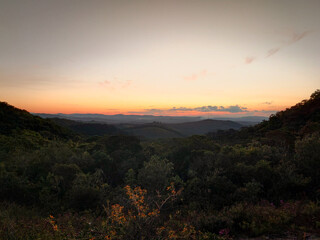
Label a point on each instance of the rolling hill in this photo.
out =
(204, 126)
(90, 128)
(148, 131)
(14, 120)
(281, 128)
(119, 118)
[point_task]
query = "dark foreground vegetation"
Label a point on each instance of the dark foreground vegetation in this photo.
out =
(260, 181)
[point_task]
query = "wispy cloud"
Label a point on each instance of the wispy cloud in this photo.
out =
(293, 38)
(231, 109)
(272, 51)
(206, 111)
(115, 84)
(249, 59)
(195, 76)
(202, 109)
(267, 103)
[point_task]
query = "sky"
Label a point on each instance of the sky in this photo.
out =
(169, 57)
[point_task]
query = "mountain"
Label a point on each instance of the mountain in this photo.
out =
(14, 120)
(245, 121)
(296, 118)
(281, 128)
(119, 118)
(145, 126)
(273, 173)
(149, 131)
(88, 128)
(140, 119)
(204, 126)
(161, 130)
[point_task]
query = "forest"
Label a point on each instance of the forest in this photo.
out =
(259, 182)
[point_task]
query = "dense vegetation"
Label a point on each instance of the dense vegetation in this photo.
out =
(146, 131)
(261, 180)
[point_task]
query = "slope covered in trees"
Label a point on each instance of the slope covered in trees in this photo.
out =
(148, 131)
(14, 120)
(89, 129)
(255, 182)
(281, 128)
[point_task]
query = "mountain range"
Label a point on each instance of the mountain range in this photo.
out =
(139, 119)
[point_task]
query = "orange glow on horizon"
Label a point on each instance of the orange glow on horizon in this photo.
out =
(71, 109)
(114, 57)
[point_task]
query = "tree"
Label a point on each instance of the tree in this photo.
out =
(156, 174)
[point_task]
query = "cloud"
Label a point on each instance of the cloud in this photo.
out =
(202, 109)
(267, 103)
(231, 109)
(235, 109)
(272, 51)
(195, 76)
(126, 83)
(105, 83)
(206, 111)
(115, 84)
(249, 60)
(294, 37)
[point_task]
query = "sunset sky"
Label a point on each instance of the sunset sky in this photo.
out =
(211, 58)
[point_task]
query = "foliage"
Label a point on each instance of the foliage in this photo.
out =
(261, 180)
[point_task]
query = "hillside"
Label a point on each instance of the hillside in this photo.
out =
(281, 128)
(204, 126)
(148, 131)
(14, 120)
(90, 128)
(119, 118)
(295, 119)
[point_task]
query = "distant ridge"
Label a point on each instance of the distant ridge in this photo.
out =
(119, 118)
(152, 130)
(247, 118)
(89, 129)
(204, 126)
(140, 119)
(162, 130)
